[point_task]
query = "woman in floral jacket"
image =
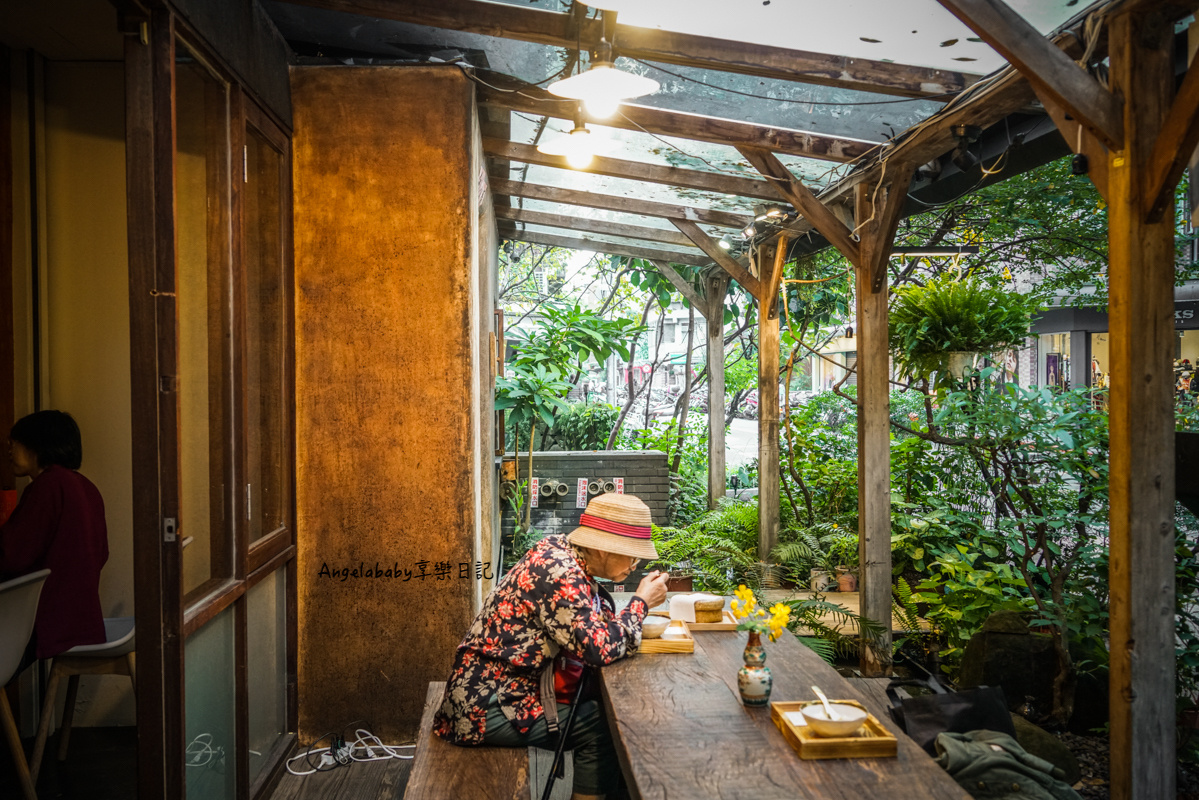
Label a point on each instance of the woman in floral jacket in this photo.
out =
(545, 621)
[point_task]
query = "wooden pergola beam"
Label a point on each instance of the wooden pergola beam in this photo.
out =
(1175, 144)
(626, 205)
(723, 260)
(534, 100)
(555, 29)
(636, 171)
(682, 287)
(583, 225)
(798, 195)
(632, 251)
(1050, 71)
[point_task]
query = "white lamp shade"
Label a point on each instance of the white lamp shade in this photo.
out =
(602, 87)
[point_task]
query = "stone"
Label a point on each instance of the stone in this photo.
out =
(1013, 622)
(1022, 663)
(1043, 744)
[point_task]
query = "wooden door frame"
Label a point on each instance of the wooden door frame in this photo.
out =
(159, 602)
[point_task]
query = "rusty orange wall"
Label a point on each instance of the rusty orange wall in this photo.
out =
(388, 376)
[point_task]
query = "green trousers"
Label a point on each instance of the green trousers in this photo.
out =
(596, 770)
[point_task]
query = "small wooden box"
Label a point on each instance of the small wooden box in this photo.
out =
(727, 624)
(684, 644)
(872, 740)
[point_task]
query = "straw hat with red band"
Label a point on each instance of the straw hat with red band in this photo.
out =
(615, 523)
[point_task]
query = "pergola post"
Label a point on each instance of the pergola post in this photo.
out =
(770, 272)
(709, 303)
(878, 209)
(716, 286)
(1138, 137)
(1141, 419)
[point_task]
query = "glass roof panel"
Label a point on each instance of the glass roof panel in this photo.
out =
(830, 111)
(602, 238)
(786, 104)
(620, 218)
(622, 187)
(670, 151)
(916, 32)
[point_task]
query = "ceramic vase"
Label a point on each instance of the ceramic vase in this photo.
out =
(754, 680)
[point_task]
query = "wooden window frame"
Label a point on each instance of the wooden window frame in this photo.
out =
(165, 616)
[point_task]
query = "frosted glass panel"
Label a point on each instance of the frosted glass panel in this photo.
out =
(209, 761)
(266, 666)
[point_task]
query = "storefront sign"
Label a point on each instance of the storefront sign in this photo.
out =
(1186, 315)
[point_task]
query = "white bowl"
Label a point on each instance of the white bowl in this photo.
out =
(848, 719)
(653, 627)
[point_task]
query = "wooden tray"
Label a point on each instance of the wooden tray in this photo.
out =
(871, 741)
(682, 645)
(728, 624)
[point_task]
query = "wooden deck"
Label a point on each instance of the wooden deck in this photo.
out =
(385, 780)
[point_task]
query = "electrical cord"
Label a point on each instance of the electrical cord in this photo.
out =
(342, 752)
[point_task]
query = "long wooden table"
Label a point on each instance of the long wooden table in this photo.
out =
(682, 732)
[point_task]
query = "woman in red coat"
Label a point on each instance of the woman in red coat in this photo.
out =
(58, 524)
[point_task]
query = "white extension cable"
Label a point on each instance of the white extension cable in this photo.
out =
(367, 747)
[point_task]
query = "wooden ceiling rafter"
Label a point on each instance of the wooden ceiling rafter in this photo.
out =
(794, 192)
(636, 171)
(686, 50)
(739, 273)
(713, 130)
(625, 205)
(583, 225)
(632, 251)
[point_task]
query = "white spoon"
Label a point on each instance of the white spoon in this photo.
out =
(827, 708)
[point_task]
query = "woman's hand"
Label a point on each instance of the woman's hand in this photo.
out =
(652, 588)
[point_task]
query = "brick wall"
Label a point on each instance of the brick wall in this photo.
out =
(645, 475)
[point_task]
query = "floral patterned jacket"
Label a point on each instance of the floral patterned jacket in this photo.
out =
(545, 603)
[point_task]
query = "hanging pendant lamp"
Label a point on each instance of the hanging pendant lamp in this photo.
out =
(603, 87)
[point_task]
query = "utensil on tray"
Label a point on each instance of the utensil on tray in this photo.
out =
(827, 708)
(833, 719)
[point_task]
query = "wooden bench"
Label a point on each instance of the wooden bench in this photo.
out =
(442, 771)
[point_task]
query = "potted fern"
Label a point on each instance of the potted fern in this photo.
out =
(948, 324)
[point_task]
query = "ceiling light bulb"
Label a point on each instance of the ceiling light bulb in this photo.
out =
(580, 158)
(578, 148)
(602, 87)
(725, 244)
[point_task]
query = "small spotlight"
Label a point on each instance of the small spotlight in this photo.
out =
(749, 232)
(725, 243)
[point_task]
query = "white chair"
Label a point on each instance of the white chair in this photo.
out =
(18, 608)
(114, 656)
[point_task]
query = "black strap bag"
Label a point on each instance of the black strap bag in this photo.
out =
(924, 716)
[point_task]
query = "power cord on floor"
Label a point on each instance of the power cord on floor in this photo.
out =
(342, 752)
